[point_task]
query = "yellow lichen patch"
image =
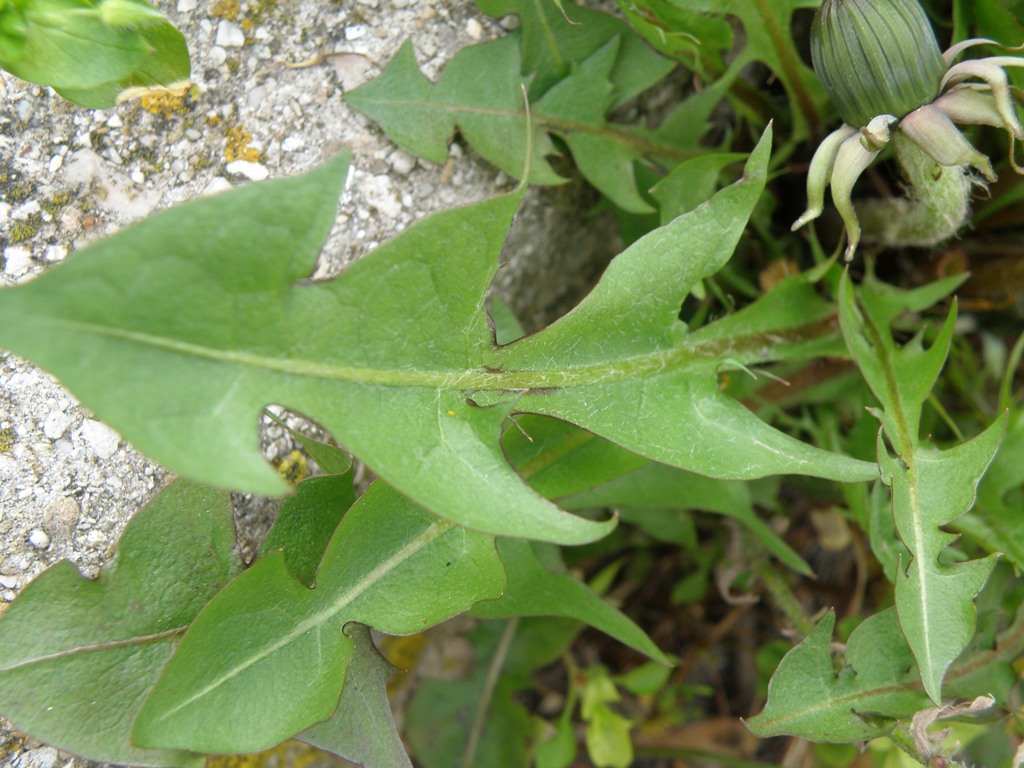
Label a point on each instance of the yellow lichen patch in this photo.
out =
(24, 229)
(227, 9)
(257, 9)
(293, 754)
(165, 103)
(54, 203)
(7, 439)
(294, 467)
(236, 145)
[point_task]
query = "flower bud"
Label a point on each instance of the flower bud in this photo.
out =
(876, 57)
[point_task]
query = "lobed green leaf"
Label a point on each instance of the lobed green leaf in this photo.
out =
(78, 657)
(268, 657)
(930, 488)
(629, 394)
(934, 598)
(396, 357)
(480, 94)
(813, 697)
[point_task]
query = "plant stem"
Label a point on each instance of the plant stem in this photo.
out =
(784, 597)
(784, 48)
(487, 695)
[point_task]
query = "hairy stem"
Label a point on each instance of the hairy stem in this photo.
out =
(936, 206)
(784, 597)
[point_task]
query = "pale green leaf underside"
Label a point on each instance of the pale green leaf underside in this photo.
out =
(178, 340)
(78, 657)
(268, 657)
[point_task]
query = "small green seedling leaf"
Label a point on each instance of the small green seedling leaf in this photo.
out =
(362, 730)
(607, 733)
(79, 657)
(608, 739)
(268, 657)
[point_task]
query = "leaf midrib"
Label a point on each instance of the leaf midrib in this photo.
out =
(888, 362)
(559, 125)
(109, 645)
(321, 617)
(474, 379)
